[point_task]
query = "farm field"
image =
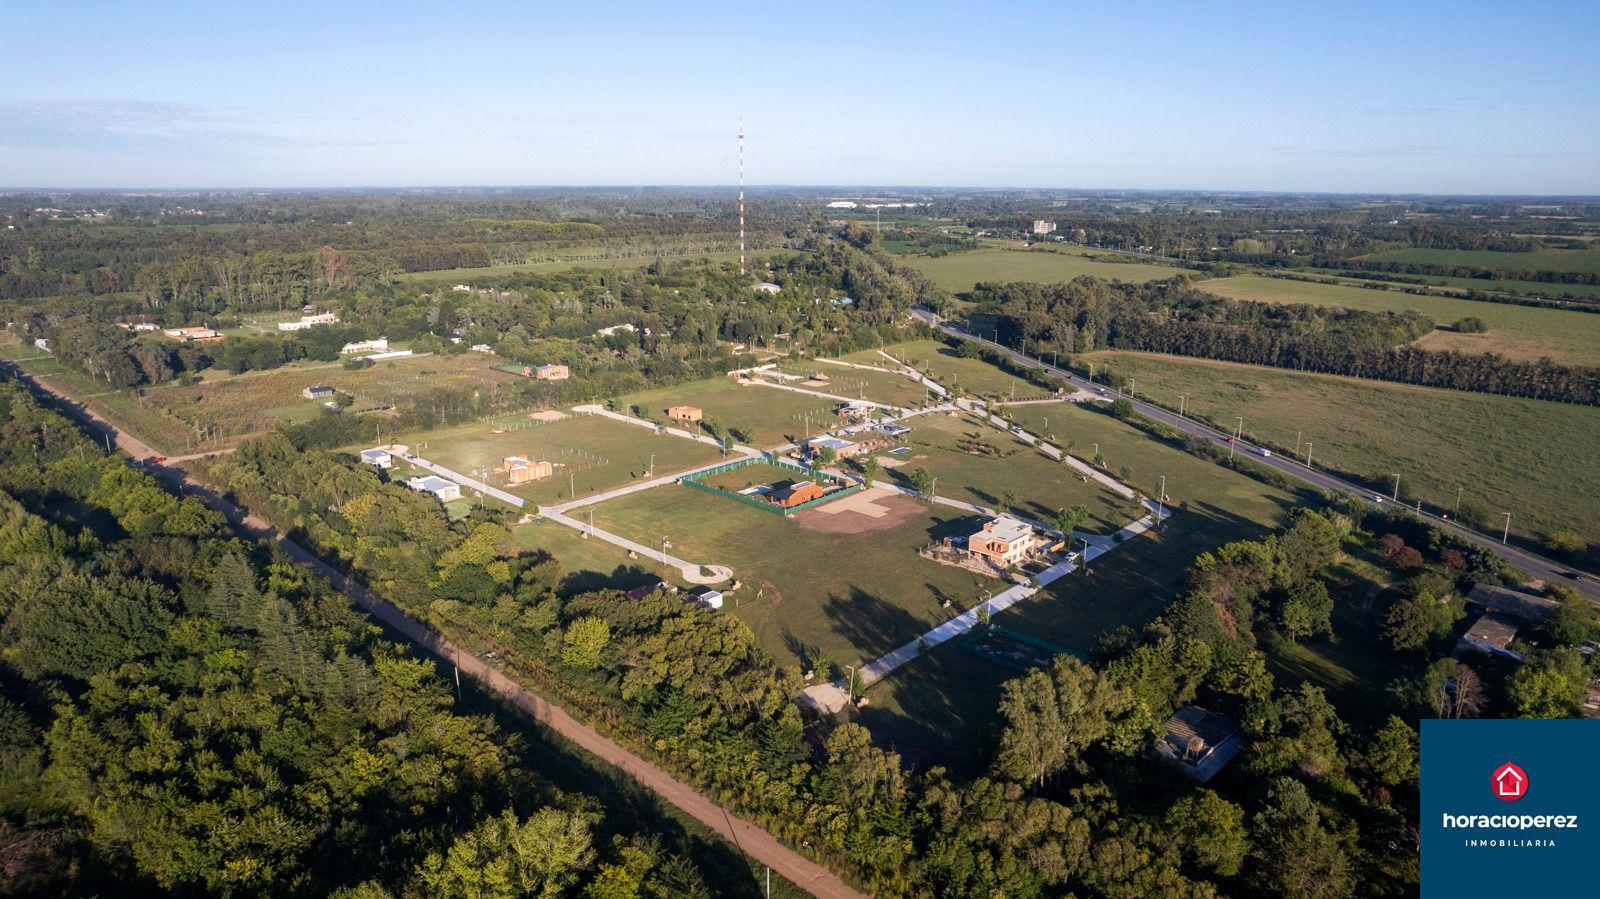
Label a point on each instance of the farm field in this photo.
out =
(958, 272)
(1043, 487)
(947, 697)
(970, 376)
(1537, 288)
(236, 405)
(1540, 461)
(1546, 260)
(1517, 332)
(880, 387)
(766, 416)
(591, 452)
(847, 582)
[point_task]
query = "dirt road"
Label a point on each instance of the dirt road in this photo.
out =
(747, 837)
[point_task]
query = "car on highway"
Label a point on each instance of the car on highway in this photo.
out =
(1375, 498)
(1266, 453)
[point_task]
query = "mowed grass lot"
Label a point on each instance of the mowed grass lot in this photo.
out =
(1517, 332)
(1540, 461)
(958, 272)
(1043, 487)
(1547, 260)
(856, 596)
(589, 563)
(877, 386)
(767, 416)
(947, 698)
(969, 376)
(593, 452)
(236, 405)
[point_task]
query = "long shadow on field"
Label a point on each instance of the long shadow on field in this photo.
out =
(945, 710)
(871, 624)
(623, 577)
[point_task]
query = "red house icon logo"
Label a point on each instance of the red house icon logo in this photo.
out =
(1510, 782)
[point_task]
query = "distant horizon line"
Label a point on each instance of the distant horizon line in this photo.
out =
(6, 190)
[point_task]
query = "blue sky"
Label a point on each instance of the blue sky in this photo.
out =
(1426, 97)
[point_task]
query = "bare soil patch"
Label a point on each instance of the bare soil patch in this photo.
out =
(870, 510)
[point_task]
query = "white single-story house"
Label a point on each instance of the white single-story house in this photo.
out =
(377, 456)
(767, 287)
(439, 487)
(379, 345)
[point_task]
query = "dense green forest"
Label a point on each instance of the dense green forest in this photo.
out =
(182, 712)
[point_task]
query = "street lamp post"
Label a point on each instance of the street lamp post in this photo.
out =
(652, 465)
(1506, 534)
(1181, 399)
(850, 684)
(1161, 501)
(1396, 495)
(1456, 512)
(1308, 454)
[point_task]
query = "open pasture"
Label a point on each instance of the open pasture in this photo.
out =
(947, 367)
(856, 383)
(236, 405)
(1540, 461)
(1517, 332)
(591, 453)
(1544, 260)
(958, 272)
(764, 416)
(807, 586)
(977, 463)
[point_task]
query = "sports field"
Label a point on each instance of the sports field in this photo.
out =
(1546, 260)
(1517, 332)
(968, 376)
(589, 452)
(1540, 461)
(978, 464)
(765, 416)
(844, 576)
(958, 272)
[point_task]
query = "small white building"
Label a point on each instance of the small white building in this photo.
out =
(767, 287)
(709, 597)
(482, 348)
(607, 332)
(439, 487)
(1042, 227)
(842, 204)
(309, 321)
(380, 345)
(377, 457)
(462, 288)
(42, 343)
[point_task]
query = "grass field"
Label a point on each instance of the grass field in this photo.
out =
(766, 415)
(958, 272)
(588, 563)
(1548, 260)
(138, 416)
(970, 376)
(856, 595)
(1536, 288)
(1518, 332)
(592, 452)
(1043, 487)
(880, 387)
(236, 405)
(1540, 461)
(947, 698)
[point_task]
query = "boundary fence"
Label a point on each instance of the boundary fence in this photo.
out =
(693, 480)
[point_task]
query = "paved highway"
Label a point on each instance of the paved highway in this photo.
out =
(1538, 566)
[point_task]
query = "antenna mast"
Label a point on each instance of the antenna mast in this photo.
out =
(741, 195)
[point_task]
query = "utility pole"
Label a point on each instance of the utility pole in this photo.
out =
(1308, 454)
(1161, 501)
(652, 465)
(572, 484)
(850, 684)
(1297, 441)
(1396, 495)
(1181, 399)
(1506, 534)
(1456, 512)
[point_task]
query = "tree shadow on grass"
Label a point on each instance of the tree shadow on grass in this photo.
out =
(870, 624)
(945, 710)
(623, 577)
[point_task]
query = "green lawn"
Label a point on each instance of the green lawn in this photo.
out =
(1540, 461)
(1546, 260)
(589, 563)
(1538, 288)
(1518, 332)
(856, 596)
(767, 416)
(591, 452)
(1043, 487)
(880, 387)
(970, 376)
(958, 272)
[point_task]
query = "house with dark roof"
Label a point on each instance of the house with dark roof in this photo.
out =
(1200, 742)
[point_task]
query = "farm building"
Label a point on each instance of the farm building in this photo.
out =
(1199, 742)
(1005, 541)
(188, 334)
(520, 470)
(318, 392)
(686, 413)
(767, 287)
(309, 321)
(439, 487)
(795, 494)
(553, 371)
(379, 345)
(842, 449)
(377, 456)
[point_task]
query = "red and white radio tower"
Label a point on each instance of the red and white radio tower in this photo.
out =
(741, 195)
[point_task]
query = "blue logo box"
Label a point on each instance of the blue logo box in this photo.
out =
(1510, 807)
